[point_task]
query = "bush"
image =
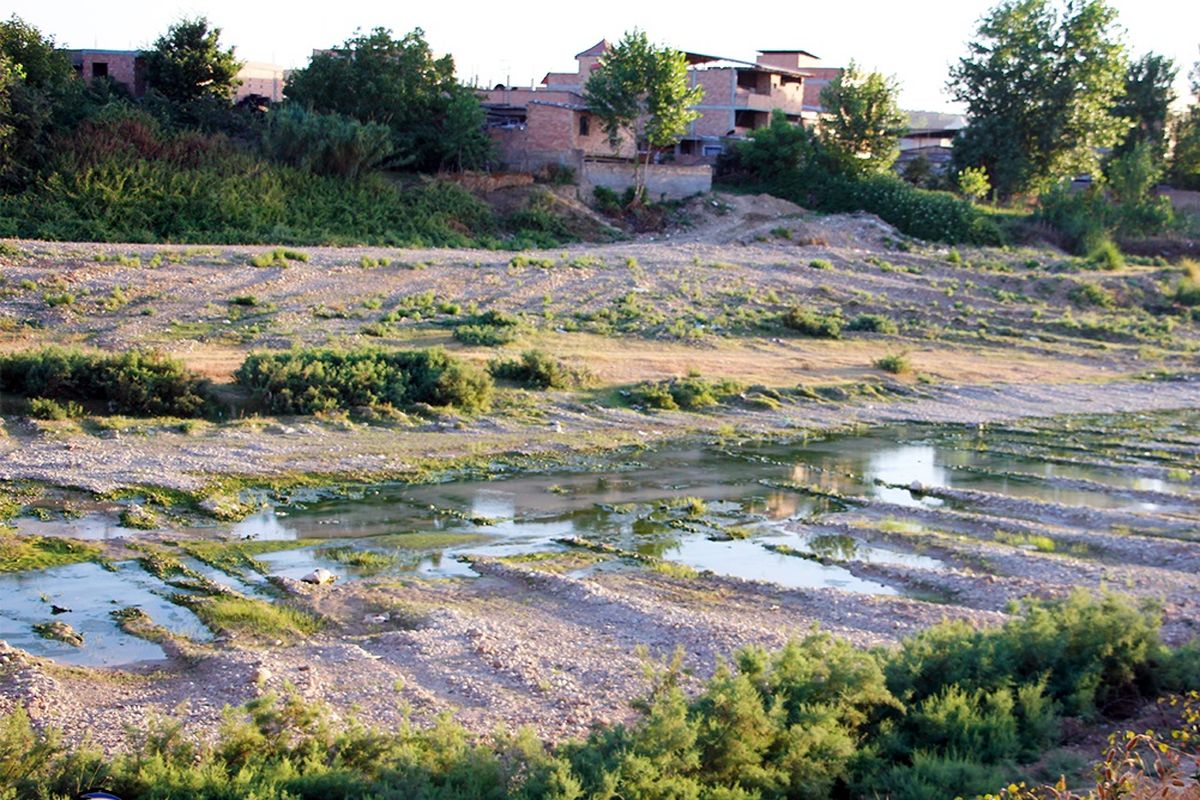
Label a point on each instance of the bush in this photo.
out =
(536, 370)
(945, 715)
(122, 178)
(309, 381)
(137, 383)
(791, 163)
(45, 408)
(688, 394)
(872, 323)
(896, 363)
(490, 329)
(813, 323)
(325, 144)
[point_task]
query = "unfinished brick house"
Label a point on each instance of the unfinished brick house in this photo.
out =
(128, 68)
(550, 124)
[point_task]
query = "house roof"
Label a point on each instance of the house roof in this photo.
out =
(792, 50)
(598, 49)
(695, 59)
(82, 51)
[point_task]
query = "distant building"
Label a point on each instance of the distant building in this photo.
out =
(549, 124)
(128, 68)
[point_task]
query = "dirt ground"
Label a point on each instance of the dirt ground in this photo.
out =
(992, 336)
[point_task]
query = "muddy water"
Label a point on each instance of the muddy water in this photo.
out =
(632, 504)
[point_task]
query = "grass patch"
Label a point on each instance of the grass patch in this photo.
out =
(537, 370)
(246, 616)
(366, 560)
(23, 553)
(60, 632)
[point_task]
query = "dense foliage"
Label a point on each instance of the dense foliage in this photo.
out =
(122, 176)
(309, 381)
(137, 383)
(865, 121)
(436, 122)
(187, 63)
(1040, 82)
(955, 711)
(793, 163)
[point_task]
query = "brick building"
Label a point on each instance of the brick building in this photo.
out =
(549, 123)
(128, 68)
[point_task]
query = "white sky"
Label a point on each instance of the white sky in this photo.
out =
(524, 39)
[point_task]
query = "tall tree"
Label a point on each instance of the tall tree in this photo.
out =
(1184, 170)
(1040, 84)
(38, 85)
(641, 90)
(374, 77)
(864, 121)
(187, 63)
(1146, 101)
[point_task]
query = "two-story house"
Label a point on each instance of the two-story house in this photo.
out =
(549, 124)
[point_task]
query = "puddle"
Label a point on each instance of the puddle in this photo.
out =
(91, 592)
(756, 486)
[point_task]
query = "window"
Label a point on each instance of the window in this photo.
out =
(585, 125)
(99, 69)
(713, 150)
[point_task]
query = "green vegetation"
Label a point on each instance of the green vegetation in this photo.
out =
(245, 616)
(793, 163)
(366, 560)
(490, 329)
(896, 363)
(692, 393)
(279, 257)
(862, 133)
(813, 323)
(135, 383)
(954, 711)
(872, 323)
(537, 370)
(309, 381)
(642, 92)
(24, 553)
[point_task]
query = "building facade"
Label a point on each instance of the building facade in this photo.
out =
(538, 125)
(128, 68)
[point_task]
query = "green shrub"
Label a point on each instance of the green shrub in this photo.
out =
(813, 323)
(537, 370)
(688, 394)
(325, 144)
(950, 713)
(123, 178)
(872, 323)
(1106, 255)
(490, 329)
(45, 408)
(896, 363)
(820, 263)
(308, 381)
(137, 383)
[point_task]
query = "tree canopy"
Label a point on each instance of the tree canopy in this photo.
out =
(1040, 84)
(641, 91)
(1146, 102)
(187, 63)
(864, 121)
(436, 122)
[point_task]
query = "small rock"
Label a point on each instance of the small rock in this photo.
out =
(319, 577)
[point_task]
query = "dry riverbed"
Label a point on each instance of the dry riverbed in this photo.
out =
(995, 339)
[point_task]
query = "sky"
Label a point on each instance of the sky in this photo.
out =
(521, 40)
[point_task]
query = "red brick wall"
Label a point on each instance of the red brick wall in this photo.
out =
(121, 68)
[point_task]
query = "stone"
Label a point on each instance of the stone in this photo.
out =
(319, 577)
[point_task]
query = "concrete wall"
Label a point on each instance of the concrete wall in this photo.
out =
(663, 181)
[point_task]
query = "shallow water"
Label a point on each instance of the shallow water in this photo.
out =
(757, 486)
